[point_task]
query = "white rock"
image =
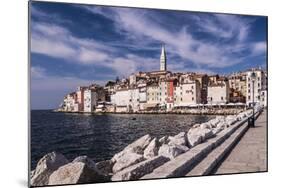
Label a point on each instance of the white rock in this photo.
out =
(216, 130)
(172, 151)
(220, 118)
(74, 173)
(206, 134)
(214, 122)
(196, 125)
(198, 135)
(205, 126)
(138, 170)
(45, 167)
(137, 146)
(32, 174)
(87, 160)
(126, 160)
(230, 120)
(152, 149)
(105, 167)
(179, 139)
(194, 137)
(163, 140)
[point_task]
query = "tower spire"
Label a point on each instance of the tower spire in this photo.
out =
(163, 59)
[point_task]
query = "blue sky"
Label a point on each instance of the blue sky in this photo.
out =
(74, 45)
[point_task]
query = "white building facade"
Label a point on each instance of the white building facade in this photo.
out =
(134, 99)
(255, 87)
(90, 100)
(121, 100)
(218, 93)
(187, 94)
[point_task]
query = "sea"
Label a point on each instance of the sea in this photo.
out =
(99, 136)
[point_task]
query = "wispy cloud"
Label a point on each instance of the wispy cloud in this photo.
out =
(182, 42)
(259, 48)
(57, 41)
(37, 72)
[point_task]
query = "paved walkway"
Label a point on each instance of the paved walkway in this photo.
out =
(250, 154)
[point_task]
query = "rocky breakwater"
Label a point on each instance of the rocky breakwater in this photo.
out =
(135, 161)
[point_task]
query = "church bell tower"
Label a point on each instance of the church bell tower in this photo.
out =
(163, 59)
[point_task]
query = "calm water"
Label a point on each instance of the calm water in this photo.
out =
(98, 136)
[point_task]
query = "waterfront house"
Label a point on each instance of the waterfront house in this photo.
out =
(90, 100)
(187, 92)
(80, 98)
(121, 100)
(153, 96)
(218, 91)
(260, 83)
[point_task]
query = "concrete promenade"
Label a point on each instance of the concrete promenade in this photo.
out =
(250, 154)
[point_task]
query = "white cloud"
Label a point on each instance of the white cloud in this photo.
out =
(181, 43)
(51, 47)
(259, 48)
(88, 56)
(37, 72)
(56, 41)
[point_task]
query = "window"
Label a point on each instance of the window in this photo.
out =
(222, 98)
(181, 98)
(249, 91)
(249, 97)
(192, 98)
(191, 87)
(249, 85)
